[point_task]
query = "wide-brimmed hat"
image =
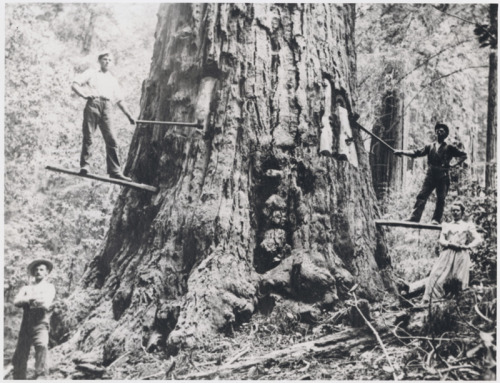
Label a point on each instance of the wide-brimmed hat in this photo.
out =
(445, 127)
(40, 261)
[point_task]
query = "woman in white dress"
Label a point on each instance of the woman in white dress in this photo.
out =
(457, 238)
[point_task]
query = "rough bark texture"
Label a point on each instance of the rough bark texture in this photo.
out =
(387, 169)
(491, 130)
(248, 203)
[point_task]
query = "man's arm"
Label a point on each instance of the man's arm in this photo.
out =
(45, 299)
(126, 112)
(22, 298)
(77, 88)
(457, 153)
(78, 83)
(408, 153)
(413, 153)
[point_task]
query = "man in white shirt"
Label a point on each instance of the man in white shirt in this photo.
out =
(35, 300)
(100, 88)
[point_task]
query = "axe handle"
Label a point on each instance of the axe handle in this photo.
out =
(375, 136)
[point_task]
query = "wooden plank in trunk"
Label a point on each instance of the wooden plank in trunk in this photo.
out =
(133, 185)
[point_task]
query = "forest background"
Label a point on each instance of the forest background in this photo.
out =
(65, 219)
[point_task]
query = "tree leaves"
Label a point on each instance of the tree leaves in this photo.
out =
(51, 215)
(486, 35)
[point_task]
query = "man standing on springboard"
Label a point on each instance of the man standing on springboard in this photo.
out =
(100, 88)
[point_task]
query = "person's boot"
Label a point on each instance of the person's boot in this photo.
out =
(84, 170)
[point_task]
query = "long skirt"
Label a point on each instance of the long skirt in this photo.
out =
(450, 264)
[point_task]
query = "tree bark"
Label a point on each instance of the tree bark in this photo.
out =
(250, 193)
(491, 130)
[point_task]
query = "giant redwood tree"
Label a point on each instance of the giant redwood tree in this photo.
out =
(248, 206)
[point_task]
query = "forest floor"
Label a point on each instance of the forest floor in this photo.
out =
(453, 339)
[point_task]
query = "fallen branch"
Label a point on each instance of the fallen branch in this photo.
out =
(481, 314)
(427, 338)
(341, 341)
(375, 332)
(465, 366)
(238, 355)
(152, 376)
(118, 359)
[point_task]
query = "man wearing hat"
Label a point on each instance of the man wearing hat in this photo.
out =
(35, 299)
(100, 88)
(439, 155)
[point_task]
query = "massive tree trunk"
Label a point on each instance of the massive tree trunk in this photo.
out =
(387, 169)
(248, 207)
(491, 131)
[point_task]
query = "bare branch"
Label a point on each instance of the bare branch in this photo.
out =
(449, 14)
(431, 57)
(377, 336)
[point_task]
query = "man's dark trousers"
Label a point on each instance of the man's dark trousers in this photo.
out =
(435, 178)
(97, 113)
(34, 331)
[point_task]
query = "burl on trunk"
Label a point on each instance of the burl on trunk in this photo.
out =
(249, 206)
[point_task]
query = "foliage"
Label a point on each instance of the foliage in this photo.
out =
(46, 214)
(442, 72)
(487, 34)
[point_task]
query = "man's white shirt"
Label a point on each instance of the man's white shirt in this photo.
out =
(100, 84)
(44, 292)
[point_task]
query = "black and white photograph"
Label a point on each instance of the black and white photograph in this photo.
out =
(250, 191)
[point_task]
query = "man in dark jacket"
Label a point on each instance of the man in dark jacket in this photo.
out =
(439, 155)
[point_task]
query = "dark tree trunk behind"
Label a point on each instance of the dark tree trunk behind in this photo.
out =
(491, 131)
(89, 31)
(247, 207)
(387, 169)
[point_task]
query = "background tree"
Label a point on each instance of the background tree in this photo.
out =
(387, 169)
(488, 36)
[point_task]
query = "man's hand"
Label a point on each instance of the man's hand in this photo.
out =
(457, 247)
(131, 120)
(34, 303)
(398, 153)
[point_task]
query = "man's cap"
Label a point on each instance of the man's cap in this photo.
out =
(41, 261)
(103, 54)
(445, 127)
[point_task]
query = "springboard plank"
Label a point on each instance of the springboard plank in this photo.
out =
(133, 185)
(412, 225)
